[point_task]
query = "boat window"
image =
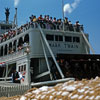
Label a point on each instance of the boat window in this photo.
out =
(2, 71)
(34, 66)
(10, 48)
(76, 39)
(1, 51)
(24, 68)
(7, 27)
(26, 38)
(20, 43)
(14, 45)
(19, 69)
(68, 38)
(3, 27)
(50, 37)
(6, 49)
(58, 38)
(11, 68)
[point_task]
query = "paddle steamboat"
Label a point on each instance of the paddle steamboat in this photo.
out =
(44, 51)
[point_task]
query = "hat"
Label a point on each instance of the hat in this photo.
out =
(77, 21)
(66, 18)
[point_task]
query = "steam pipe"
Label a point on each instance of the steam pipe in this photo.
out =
(63, 12)
(16, 17)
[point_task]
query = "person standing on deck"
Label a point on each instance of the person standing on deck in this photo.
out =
(15, 76)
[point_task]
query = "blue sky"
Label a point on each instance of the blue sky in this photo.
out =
(87, 12)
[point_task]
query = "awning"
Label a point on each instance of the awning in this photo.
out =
(2, 64)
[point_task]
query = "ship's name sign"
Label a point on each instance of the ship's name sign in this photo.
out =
(64, 45)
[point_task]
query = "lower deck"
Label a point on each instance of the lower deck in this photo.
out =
(80, 66)
(76, 66)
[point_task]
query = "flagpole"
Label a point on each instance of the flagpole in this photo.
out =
(16, 20)
(63, 12)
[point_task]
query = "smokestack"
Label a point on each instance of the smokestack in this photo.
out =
(16, 16)
(7, 13)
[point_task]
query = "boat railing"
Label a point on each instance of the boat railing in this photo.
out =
(14, 55)
(48, 26)
(53, 26)
(4, 22)
(12, 89)
(6, 79)
(51, 83)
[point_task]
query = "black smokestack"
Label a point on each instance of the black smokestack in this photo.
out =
(7, 13)
(16, 16)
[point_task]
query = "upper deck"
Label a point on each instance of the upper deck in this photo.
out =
(69, 40)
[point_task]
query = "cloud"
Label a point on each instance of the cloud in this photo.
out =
(16, 2)
(68, 8)
(75, 4)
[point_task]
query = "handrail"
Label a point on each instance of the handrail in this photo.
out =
(4, 22)
(53, 82)
(6, 78)
(47, 44)
(12, 89)
(15, 54)
(87, 42)
(47, 62)
(71, 28)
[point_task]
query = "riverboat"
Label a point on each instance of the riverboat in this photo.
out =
(47, 53)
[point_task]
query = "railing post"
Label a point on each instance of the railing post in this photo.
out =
(6, 72)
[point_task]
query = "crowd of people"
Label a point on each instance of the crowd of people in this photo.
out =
(7, 35)
(79, 69)
(24, 46)
(45, 22)
(13, 32)
(76, 69)
(54, 23)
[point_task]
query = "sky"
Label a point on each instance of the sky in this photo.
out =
(85, 11)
